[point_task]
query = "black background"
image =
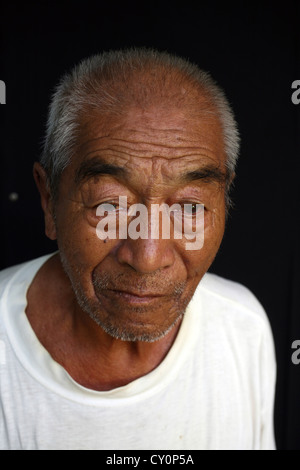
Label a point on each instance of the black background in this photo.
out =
(252, 50)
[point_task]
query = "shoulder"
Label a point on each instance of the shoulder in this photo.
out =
(7, 274)
(27, 269)
(234, 317)
(231, 292)
(234, 303)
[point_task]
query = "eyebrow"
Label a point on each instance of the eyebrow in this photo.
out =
(95, 167)
(207, 174)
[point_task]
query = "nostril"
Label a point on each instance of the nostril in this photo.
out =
(146, 256)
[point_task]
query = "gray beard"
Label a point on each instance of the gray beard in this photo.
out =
(116, 331)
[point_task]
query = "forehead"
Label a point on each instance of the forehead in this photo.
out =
(158, 137)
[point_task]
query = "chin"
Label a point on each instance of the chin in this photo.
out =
(135, 333)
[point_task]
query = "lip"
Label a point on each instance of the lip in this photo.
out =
(135, 294)
(133, 297)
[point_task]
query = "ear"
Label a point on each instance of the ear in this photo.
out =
(41, 181)
(232, 178)
(230, 181)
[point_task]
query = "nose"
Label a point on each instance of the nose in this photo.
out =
(146, 255)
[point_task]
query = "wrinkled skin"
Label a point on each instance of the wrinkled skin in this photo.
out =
(136, 290)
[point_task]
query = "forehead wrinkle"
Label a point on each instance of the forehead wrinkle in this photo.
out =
(128, 161)
(175, 138)
(150, 150)
(116, 151)
(128, 142)
(121, 143)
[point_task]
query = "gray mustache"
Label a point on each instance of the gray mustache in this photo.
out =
(149, 282)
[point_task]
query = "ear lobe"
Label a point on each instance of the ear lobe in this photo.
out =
(41, 181)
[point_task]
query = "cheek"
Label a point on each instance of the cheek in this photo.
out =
(77, 240)
(213, 236)
(215, 222)
(199, 261)
(214, 231)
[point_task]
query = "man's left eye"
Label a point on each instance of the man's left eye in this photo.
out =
(192, 208)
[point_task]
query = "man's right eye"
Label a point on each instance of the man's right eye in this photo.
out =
(109, 208)
(106, 208)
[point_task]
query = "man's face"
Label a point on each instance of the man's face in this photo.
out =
(138, 289)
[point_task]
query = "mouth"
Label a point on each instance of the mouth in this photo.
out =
(134, 297)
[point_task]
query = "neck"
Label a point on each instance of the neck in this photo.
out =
(92, 357)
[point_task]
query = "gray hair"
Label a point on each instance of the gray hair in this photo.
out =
(111, 81)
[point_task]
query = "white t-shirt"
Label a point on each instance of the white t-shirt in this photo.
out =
(214, 389)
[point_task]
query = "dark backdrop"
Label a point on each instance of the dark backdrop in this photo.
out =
(253, 52)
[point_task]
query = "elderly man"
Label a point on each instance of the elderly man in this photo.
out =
(126, 342)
